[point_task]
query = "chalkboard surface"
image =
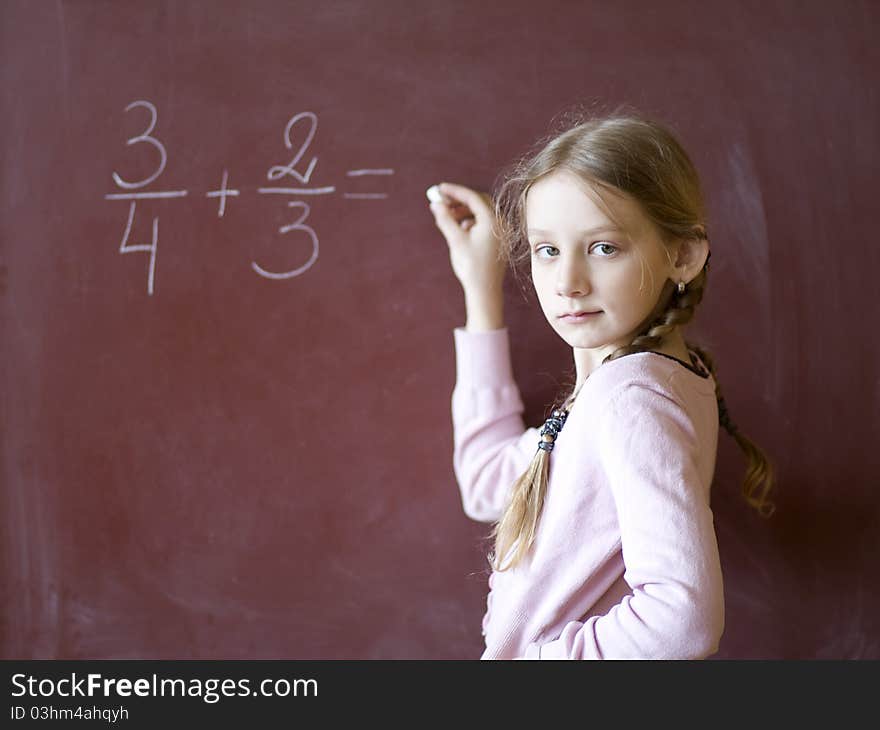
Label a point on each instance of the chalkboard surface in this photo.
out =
(227, 314)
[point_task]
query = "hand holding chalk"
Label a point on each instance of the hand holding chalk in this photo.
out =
(467, 220)
(460, 212)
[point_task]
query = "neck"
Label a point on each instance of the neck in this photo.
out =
(586, 360)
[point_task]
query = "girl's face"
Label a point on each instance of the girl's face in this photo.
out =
(582, 262)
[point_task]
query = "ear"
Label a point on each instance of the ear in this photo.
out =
(690, 258)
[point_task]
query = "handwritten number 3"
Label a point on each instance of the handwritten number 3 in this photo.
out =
(298, 226)
(145, 137)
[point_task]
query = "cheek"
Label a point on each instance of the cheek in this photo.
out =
(540, 282)
(635, 280)
(545, 293)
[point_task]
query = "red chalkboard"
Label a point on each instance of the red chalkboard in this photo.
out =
(227, 314)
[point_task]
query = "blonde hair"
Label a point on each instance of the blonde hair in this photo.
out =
(621, 152)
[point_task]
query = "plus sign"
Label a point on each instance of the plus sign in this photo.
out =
(222, 193)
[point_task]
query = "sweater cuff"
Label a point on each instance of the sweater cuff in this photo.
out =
(483, 358)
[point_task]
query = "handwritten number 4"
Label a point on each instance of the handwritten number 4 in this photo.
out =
(125, 248)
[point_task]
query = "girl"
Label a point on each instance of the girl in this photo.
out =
(604, 543)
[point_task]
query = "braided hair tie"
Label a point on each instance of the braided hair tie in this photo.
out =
(724, 417)
(551, 428)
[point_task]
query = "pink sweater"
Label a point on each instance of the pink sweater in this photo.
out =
(625, 563)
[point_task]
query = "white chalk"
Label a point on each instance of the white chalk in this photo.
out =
(434, 194)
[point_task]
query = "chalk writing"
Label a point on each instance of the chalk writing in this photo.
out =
(276, 172)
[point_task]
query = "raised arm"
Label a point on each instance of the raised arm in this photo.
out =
(492, 445)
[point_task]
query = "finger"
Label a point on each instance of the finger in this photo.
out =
(474, 200)
(445, 221)
(459, 212)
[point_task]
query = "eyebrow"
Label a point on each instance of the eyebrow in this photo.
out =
(586, 232)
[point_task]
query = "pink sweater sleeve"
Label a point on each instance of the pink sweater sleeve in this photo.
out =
(676, 608)
(492, 447)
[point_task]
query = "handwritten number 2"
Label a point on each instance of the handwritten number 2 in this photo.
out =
(278, 171)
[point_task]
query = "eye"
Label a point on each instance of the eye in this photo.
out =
(609, 249)
(542, 247)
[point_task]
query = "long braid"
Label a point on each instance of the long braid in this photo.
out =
(516, 529)
(760, 478)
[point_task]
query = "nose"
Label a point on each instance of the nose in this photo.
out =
(572, 278)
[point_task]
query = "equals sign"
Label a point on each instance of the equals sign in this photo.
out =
(359, 173)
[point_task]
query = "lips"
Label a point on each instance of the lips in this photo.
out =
(582, 313)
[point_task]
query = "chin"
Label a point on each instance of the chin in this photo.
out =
(581, 340)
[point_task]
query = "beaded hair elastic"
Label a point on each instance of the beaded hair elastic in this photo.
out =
(551, 428)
